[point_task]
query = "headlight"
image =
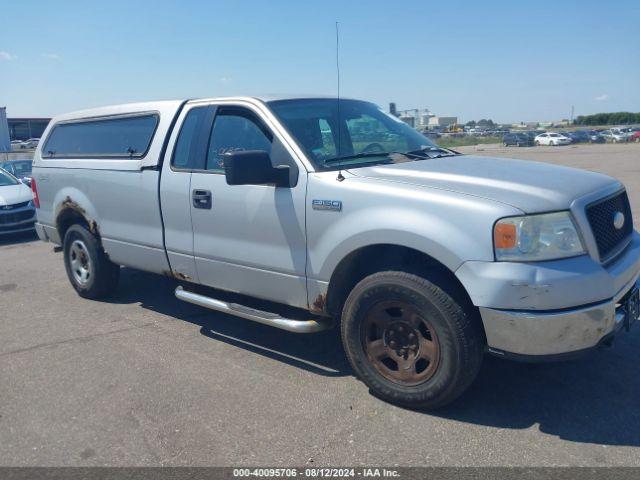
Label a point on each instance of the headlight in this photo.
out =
(531, 238)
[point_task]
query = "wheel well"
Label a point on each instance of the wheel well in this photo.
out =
(376, 258)
(68, 217)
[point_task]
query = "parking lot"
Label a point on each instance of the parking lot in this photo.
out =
(143, 379)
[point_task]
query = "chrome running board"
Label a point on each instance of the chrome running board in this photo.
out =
(266, 318)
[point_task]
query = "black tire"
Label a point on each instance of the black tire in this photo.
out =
(85, 259)
(458, 334)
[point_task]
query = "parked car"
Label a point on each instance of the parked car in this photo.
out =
(31, 143)
(425, 258)
(552, 138)
(569, 135)
(579, 136)
(17, 212)
(628, 131)
(517, 139)
(614, 135)
(635, 137)
(595, 136)
(21, 169)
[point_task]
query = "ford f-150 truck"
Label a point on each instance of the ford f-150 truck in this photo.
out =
(426, 258)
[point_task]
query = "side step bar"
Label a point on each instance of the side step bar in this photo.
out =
(267, 318)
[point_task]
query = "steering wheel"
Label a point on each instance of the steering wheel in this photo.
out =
(373, 147)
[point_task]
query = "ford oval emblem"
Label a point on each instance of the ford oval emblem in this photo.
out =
(618, 220)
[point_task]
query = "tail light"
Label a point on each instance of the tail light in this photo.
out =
(34, 189)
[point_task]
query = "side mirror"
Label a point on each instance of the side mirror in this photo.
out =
(253, 167)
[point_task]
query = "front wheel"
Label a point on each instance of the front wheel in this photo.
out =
(89, 269)
(409, 341)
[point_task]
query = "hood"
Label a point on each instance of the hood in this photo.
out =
(12, 194)
(530, 186)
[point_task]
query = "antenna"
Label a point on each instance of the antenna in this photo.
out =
(338, 149)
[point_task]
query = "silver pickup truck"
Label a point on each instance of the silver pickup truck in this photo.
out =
(426, 258)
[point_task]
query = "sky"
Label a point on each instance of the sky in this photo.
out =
(509, 61)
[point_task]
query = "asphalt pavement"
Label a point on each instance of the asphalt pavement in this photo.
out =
(144, 379)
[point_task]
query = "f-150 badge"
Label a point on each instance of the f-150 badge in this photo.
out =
(333, 205)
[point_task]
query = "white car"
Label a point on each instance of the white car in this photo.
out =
(17, 211)
(31, 143)
(615, 135)
(552, 139)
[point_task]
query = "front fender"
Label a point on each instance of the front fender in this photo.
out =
(450, 227)
(345, 237)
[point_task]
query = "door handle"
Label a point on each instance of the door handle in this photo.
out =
(201, 199)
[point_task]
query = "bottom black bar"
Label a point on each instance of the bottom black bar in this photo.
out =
(397, 473)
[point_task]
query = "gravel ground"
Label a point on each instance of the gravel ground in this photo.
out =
(143, 379)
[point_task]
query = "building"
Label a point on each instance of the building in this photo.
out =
(442, 121)
(409, 120)
(415, 117)
(26, 128)
(422, 118)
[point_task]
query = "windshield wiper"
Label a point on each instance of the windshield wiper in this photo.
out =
(357, 155)
(420, 154)
(417, 155)
(446, 152)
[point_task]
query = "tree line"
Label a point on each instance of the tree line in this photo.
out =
(486, 123)
(615, 118)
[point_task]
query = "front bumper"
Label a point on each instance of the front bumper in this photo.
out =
(550, 335)
(551, 309)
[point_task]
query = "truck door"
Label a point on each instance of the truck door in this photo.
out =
(187, 153)
(249, 239)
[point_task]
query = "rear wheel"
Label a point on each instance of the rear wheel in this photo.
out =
(89, 269)
(409, 341)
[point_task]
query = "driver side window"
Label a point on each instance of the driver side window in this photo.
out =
(235, 129)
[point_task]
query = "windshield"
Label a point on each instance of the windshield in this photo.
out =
(351, 134)
(6, 179)
(19, 169)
